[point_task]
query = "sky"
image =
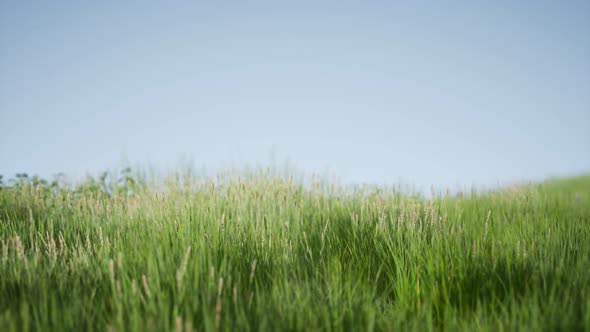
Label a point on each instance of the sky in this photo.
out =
(456, 94)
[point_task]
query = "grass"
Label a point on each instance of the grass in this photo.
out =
(262, 252)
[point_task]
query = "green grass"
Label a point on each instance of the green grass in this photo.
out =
(263, 253)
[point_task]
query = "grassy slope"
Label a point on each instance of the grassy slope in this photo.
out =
(265, 254)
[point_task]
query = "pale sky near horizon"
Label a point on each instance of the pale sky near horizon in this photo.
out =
(461, 93)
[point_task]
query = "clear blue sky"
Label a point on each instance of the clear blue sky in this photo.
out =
(458, 93)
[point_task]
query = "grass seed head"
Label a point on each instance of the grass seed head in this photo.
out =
(112, 269)
(146, 286)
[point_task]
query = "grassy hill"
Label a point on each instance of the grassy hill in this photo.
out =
(264, 253)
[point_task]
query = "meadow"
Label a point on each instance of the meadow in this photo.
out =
(263, 252)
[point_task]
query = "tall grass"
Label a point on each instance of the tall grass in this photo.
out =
(262, 252)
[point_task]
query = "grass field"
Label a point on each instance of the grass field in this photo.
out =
(263, 252)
